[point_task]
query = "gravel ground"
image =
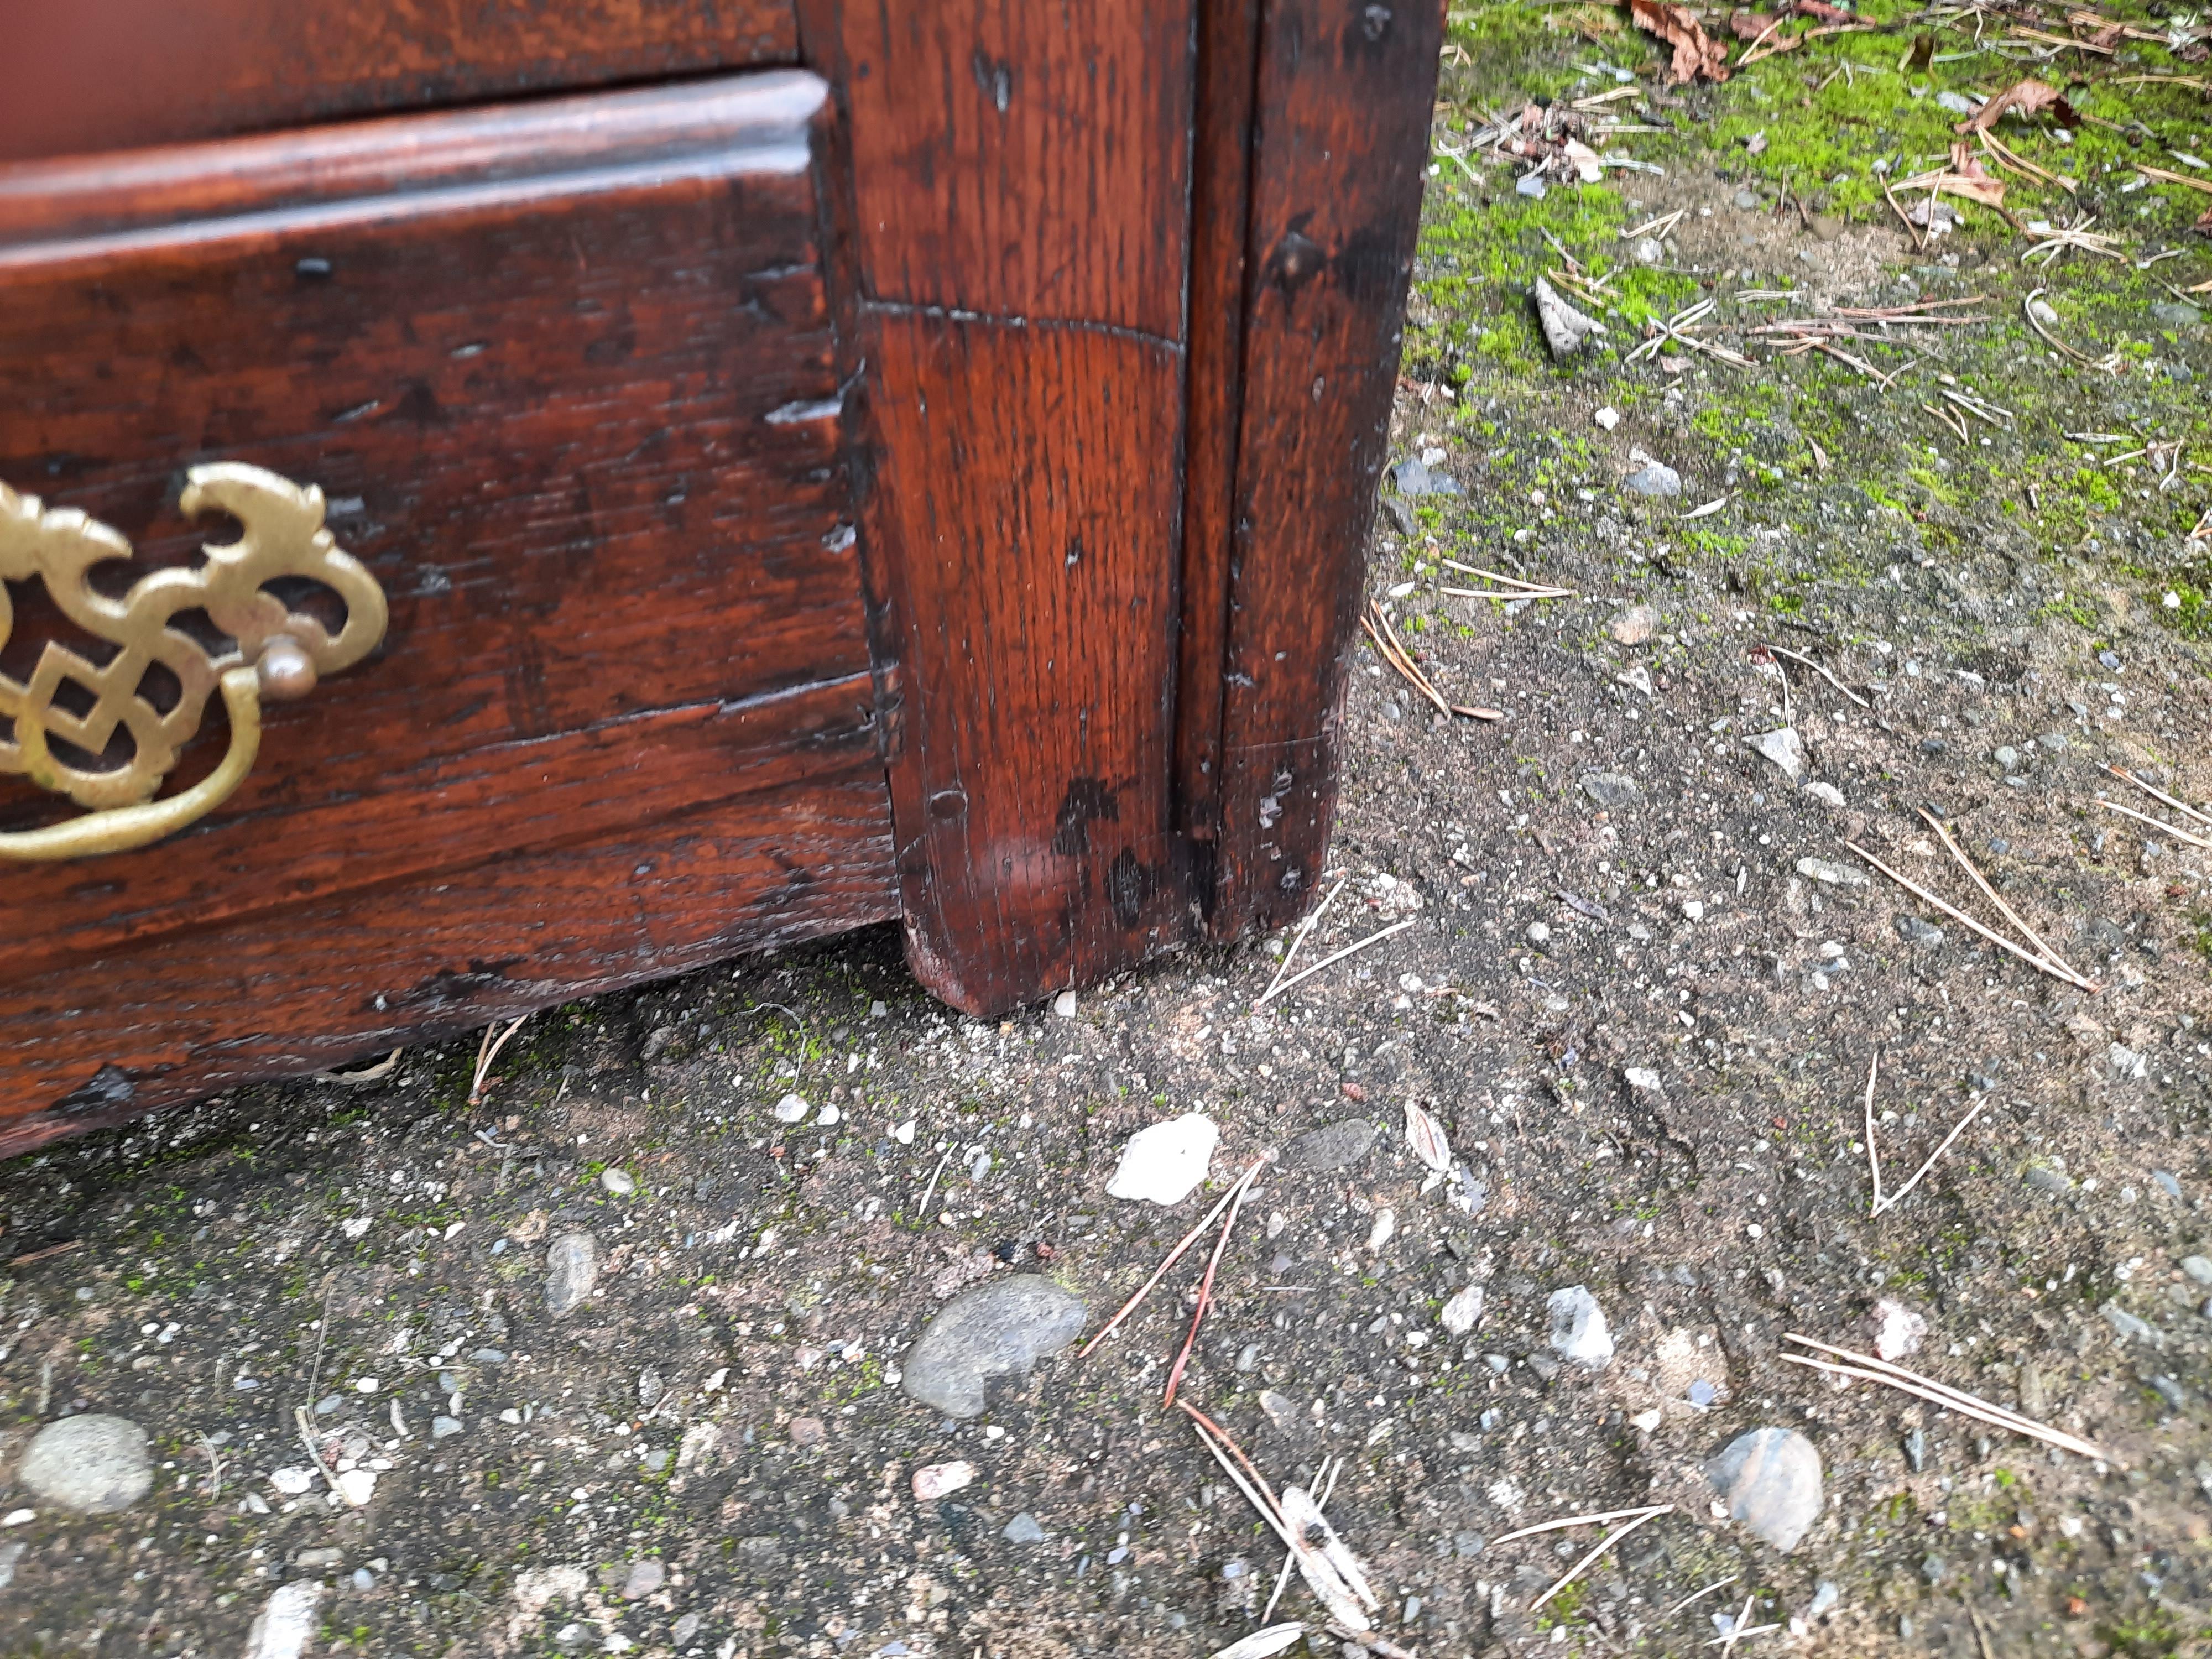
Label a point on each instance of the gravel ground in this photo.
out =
(621, 1356)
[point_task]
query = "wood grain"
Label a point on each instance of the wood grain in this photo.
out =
(1341, 119)
(1024, 162)
(104, 75)
(1016, 237)
(1228, 53)
(1018, 492)
(117, 1035)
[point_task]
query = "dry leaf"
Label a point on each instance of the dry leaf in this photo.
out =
(2028, 97)
(1427, 1137)
(1695, 52)
(1821, 13)
(1261, 1643)
(1922, 54)
(1750, 25)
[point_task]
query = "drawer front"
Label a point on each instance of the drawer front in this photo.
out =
(115, 73)
(575, 404)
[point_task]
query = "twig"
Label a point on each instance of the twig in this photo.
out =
(1699, 1595)
(1873, 1153)
(2161, 174)
(1735, 1627)
(1899, 1196)
(1599, 1548)
(314, 1452)
(365, 1075)
(29, 1256)
(2056, 970)
(2179, 835)
(215, 1467)
(930, 1191)
(1799, 656)
(1205, 1285)
(2181, 806)
(487, 1052)
(1942, 1394)
(1291, 1557)
(1173, 1257)
(1310, 924)
(1330, 961)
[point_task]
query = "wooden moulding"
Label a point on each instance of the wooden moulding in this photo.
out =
(104, 75)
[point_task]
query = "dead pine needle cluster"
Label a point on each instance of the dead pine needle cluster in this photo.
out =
(2029, 945)
(1395, 653)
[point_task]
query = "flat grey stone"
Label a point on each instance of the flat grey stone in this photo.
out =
(1915, 930)
(1784, 747)
(1332, 1147)
(645, 1577)
(93, 1464)
(1653, 478)
(1024, 1529)
(1613, 791)
(2048, 1181)
(1419, 478)
(998, 1329)
(2198, 1269)
(1771, 1479)
(444, 1428)
(572, 1269)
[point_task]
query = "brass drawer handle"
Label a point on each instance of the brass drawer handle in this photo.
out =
(277, 653)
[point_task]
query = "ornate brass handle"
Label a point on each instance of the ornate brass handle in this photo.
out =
(155, 683)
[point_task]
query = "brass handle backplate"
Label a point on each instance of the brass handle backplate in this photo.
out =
(276, 652)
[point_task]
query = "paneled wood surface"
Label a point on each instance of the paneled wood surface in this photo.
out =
(578, 409)
(1017, 236)
(1339, 135)
(105, 75)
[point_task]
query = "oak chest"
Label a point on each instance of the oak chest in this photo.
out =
(500, 502)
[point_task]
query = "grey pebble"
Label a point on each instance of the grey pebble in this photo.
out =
(2172, 1392)
(997, 1329)
(618, 1180)
(1419, 478)
(1332, 1147)
(1024, 1529)
(572, 1268)
(444, 1428)
(684, 1628)
(93, 1464)
(2164, 1181)
(10, 1555)
(1247, 1356)
(319, 1559)
(2198, 1269)
(1746, 199)
(1934, 1569)
(1833, 874)
(2128, 1325)
(645, 1577)
(1958, 103)
(1772, 1480)
(1914, 931)
(1915, 1449)
(1653, 478)
(1612, 790)
(2046, 1180)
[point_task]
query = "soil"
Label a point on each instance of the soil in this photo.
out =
(1644, 984)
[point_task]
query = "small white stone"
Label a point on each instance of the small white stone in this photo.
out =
(365, 1384)
(618, 1182)
(791, 1109)
(1826, 792)
(1609, 417)
(1539, 934)
(714, 1383)
(357, 1487)
(1166, 1161)
(1063, 1005)
(827, 1116)
(355, 1227)
(1896, 1329)
(287, 1621)
(1578, 1328)
(933, 1480)
(292, 1479)
(18, 1517)
(1693, 910)
(904, 1134)
(1386, 1223)
(1460, 1313)
(1649, 1420)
